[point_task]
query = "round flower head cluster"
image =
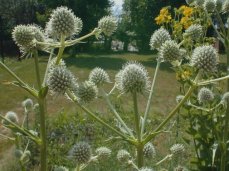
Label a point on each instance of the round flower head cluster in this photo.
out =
(60, 168)
(23, 35)
(195, 32)
(52, 64)
(63, 22)
(28, 104)
(177, 149)
(225, 7)
(158, 38)
(219, 5)
(132, 78)
(98, 76)
(209, 5)
(205, 95)
(170, 51)
(205, 58)
(103, 152)
(225, 98)
(38, 33)
(108, 25)
(123, 156)
(149, 150)
(86, 92)
(60, 79)
(81, 152)
(146, 169)
(11, 116)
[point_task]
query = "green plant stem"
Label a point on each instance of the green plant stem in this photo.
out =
(61, 49)
(150, 98)
(35, 53)
(73, 98)
(140, 157)
(169, 156)
(6, 137)
(137, 117)
(77, 168)
(47, 68)
(116, 113)
(213, 81)
(22, 83)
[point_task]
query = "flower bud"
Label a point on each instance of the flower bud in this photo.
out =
(205, 95)
(195, 32)
(18, 153)
(149, 150)
(123, 156)
(108, 25)
(98, 76)
(11, 116)
(103, 153)
(159, 37)
(177, 149)
(28, 104)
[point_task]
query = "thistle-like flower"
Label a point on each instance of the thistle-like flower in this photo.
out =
(205, 58)
(23, 35)
(123, 156)
(61, 168)
(86, 92)
(177, 149)
(38, 33)
(63, 22)
(60, 80)
(195, 32)
(11, 116)
(103, 153)
(158, 38)
(205, 95)
(149, 150)
(132, 78)
(52, 64)
(81, 152)
(108, 25)
(28, 104)
(209, 5)
(170, 51)
(225, 7)
(98, 76)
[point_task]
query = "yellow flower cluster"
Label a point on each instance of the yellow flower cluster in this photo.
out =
(164, 16)
(186, 19)
(184, 75)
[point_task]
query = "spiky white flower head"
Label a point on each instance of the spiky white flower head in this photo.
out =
(28, 104)
(177, 149)
(225, 7)
(179, 98)
(149, 150)
(23, 35)
(11, 116)
(86, 92)
(38, 33)
(108, 25)
(170, 51)
(146, 169)
(209, 5)
(99, 76)
(52, 64)
(195, 32)
(60, 79)
(18, 153)
(225, 98)
(219, 5)
(103, 152)
(158, 38)
(180, 168)
(123, 156)
(189, 2)
(81, 152)
(199, 3)
(205, 95)
(133, 78)
(63, 22)
(61, 168)
(205, 58)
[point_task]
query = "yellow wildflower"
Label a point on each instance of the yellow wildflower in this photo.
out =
(164, 16)
(186, 22)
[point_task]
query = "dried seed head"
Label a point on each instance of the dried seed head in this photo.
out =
(123, 156)
(149, 150)
(209, 5)
(195, 32)
(170, 51)
(11, 116)
(205, 58)
(86, 92)
(63, 22)
(98, 76)
(60, 79)
(108, 25)
(205, 95)
(103, 153)
(159, 37)
(81, 152)
(132, 78)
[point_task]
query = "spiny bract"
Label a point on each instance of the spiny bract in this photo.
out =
(205, 95)
(63, 22)
(158, 38)
(60, 80)
(99, 76)
(86, 92)
(132, 78)
(170, 51)
(108, 25)
(149, 150)
(205, 58)
(195, 32)
(81, 152)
